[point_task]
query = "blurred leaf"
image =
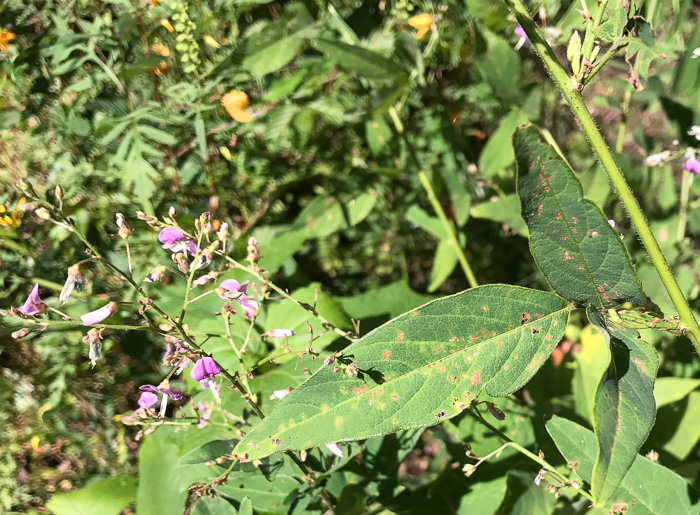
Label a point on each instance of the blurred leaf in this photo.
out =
(428, 223)
(213, 506)
(356, 59)
(483, 497)
(687, 431)
(444, 263)
(500, 66)
(591, 363)
(649, 488)
(498, 152)
(102, 497)
(672, 389)
(396, 388)
(572, 242)
(505, 210)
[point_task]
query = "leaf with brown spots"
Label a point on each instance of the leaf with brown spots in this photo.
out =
(571, 240)
(411, 369)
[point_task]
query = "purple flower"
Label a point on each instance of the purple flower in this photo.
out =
(147, 400)
(204, 371)
(99, 315)
(230, 289)
(524, 40)
(33, 305)
(692, 165)
(94, 338)
(333, 447)
(167, 392)
(173, 240)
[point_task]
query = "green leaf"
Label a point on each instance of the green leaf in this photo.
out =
(500, 66)
(212, 506)
(103, 497)
(498, 152)
(571, 240)
(648, 487)
(160, 489)
(326, 215)
(505, 210)
(591, 363)
(278, 43)
(361, 61)
(200, 131)
(428, 223)
(483, 497)
(687, 432)
(423, 367)
(157, 135)
(672, 389)
(624, 411)
(444, 263)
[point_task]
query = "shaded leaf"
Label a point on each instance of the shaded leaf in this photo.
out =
(359, 60)
(102, 497)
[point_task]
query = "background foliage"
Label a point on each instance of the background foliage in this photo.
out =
(330, 188)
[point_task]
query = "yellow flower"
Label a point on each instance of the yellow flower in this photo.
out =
(165, 23)
(422, 23)
(153, 3)
(235, 101)
(211, 41)
(5, 37)
(12, 219)
(160, 49)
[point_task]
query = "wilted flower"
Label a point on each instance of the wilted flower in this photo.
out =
(254, 254)
(167, 392)
(210, 41)
(99, 315)
(94, 338)
(421, 23)
(281, 394)
(33, 305)
(279, 333)
(5, 37)
(695, 132)
(497, 413)
(204, 371)
(175, 241)
(658, 159)
(223, 233)
(230, 289)
(612, 223)
(205, 413)
(171, 358)
(74, 281)
(333, 447)
(156, 274)
(235, 102)
(160, 49)
(692, 165)
(524, 40)
(696, 53)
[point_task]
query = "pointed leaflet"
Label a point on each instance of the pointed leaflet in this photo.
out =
(574, 246)
(648, 489)
(624, 409)
(423, 367)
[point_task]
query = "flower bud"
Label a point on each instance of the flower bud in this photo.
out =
(224, 151)
(573, 53)
(223, 234)
(58, 191)
(172, 212)
(43, 213)
(74, 281)
(156, 274)
(21, 333)
(254, 254)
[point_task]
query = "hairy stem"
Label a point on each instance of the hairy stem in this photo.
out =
(577, 105)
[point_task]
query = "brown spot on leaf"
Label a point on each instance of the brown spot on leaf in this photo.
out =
(387, 353)
(440, 414)
(524, 318)
(539, 209)
(476, 378)
(567, 256)
(399, 338)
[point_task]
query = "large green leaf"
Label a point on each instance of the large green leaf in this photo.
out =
(572, 242)
(648, 488)
(423, 367)
(356, 59)
(624, 409)
(103, 497)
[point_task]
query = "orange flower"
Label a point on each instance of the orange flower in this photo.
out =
(422, 23)
(153, 3)
(235, 101)
(160, 49)
(5, 37)
(165, 23)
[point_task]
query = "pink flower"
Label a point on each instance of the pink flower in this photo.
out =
(230, 289)
(279, 333)
(33, 305)
(147, 400)
(524, 40)
(167, 392)
(205, 414)
(692, 165)
(170, 358)
(97, 316)
(175, 241)
(204, 371)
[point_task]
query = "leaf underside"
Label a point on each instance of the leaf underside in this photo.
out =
(572, 242)
(421, 368)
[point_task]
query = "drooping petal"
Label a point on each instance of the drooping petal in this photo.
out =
(149, 388)
(147, 400)
(33, 305)
(170, 235)
(99, 315)
(203, 369)
(333, 447)
(249, 305)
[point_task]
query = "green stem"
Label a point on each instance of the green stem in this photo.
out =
(534, 457)
(448, 229)
(577, 105)
(589, 39)
(190, 277)
(393, 114)
(625, 108)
